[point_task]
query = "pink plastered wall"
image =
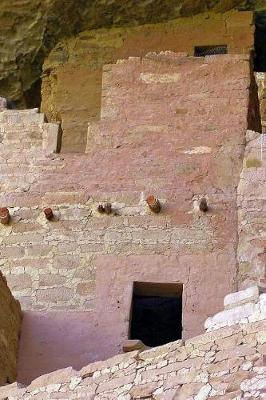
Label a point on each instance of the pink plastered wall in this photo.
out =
(171, 126)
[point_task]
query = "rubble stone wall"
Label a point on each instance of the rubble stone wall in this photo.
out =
(72, 73)
(252, 212)
(10, 322)
(164, 132)
(261, 82)
(226, 363)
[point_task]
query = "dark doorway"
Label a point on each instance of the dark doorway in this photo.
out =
(202, 51)
(156, 315)
(260, 42)
(32, 96)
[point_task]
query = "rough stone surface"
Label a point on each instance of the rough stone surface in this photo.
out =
(239, 312)
(10, 322)
(244, 296)
(212, 366)
(29, 29)
(252, 212)
(261, 82)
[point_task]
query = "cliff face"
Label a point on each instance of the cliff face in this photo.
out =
(29, 29)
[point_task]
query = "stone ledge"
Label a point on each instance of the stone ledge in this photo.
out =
(240, 307)
(244, 296)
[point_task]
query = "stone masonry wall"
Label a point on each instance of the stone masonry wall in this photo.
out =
(164, 131)
(226, 363)
(252, 212)
(10, 321)
(261, 82)
(72, 73)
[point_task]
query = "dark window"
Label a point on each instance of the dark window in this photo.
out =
(202, 51)
(156, 315)
(260, 42)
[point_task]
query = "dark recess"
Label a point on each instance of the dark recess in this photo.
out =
(156, 316)
(32, 96)
(202, 51)
(260, 42)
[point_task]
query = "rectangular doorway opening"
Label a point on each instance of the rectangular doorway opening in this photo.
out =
(203, 51)
(156, 313)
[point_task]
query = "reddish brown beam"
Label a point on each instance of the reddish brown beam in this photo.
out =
(4, 215)
(153, 204)
(48, 212)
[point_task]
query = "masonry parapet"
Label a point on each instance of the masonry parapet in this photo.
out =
(27, 130)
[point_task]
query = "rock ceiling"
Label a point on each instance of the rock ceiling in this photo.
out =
(29, 29)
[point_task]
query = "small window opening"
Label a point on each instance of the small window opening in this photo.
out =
(156, 314)
(202, 51)
(260, 42)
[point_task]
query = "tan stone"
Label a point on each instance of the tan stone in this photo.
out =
(115, 383)
(188, 390)
(180, 379)
(61, 376)
(240, 351)
(131, 345)
(143, 391)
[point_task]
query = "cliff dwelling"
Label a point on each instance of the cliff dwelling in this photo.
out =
(133, 201)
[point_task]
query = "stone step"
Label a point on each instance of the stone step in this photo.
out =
(22, 117)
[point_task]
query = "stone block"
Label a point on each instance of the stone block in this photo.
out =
(19, 282)
(248, 295)
(51, 138)
(85, 288)
(127, 358)
(230, 316)
(67, 261)
(54, 295)
(180, 379)
(131, 345)
(60, 376)
(161, 351)
(115, 383)
(188, 391)
(143, 391)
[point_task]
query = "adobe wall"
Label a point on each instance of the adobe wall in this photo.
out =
(164, 131)
(72, 73)
(10, 323)
(226, 363)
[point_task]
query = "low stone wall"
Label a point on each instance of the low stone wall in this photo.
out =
(225, 363)
(10, 322)
(251, 200)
